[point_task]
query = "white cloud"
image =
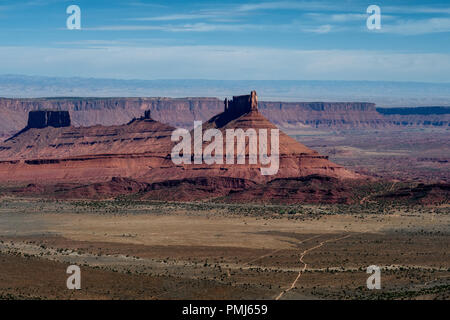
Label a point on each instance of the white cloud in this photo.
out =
(92, 42)
(277, 5)
(220, 62)
(416, 9)
(124, 28)
(326, 28)
(143, 4)
(172, 17)
(189, 27)
(344, 8)
(344, 17)
(416, 27)
(389, 23)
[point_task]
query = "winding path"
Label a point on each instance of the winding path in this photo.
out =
(305, 265)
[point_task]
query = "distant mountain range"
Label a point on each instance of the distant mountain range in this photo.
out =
(382, 93)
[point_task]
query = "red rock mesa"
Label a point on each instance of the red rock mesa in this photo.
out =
(50, 151)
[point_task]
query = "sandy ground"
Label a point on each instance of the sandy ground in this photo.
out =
(206, 254)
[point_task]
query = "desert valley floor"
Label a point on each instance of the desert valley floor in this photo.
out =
(156, 250)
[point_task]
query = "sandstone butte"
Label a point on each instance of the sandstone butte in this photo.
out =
(136, 156)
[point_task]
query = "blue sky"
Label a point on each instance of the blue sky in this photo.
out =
(260, 40)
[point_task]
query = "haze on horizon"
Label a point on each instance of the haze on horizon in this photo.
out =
(383, 93)
(227, 40)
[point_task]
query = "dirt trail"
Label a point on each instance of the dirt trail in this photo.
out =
(305, 265)
(275, 251)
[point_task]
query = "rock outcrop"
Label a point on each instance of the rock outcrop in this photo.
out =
(182, 113)
(40, 119)
(308, 189)
(425, 194)
(86, 154)
(239, 106)
(295, 159)
(48, 118)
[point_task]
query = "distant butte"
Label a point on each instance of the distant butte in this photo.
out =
(296, 160)
(48, 118)
(51, 151)
(39, 119)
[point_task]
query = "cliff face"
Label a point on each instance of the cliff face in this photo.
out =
(108, 111)
(333, 115)
(182, 113)
(421, 116)
(239, 106)
(47, 118)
